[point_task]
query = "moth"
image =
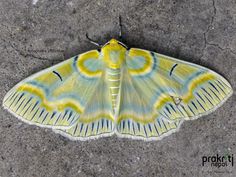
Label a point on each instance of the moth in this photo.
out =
(132, 93)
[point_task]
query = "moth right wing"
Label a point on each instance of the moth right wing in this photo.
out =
(159, 92)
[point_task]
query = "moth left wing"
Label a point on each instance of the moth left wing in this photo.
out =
(159, 89)
(58, 96)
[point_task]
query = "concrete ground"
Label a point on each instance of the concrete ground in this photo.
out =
(37, 34)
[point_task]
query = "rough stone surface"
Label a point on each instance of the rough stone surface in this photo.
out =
(37, 34)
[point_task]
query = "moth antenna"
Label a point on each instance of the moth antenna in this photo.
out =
(92, 41)
(120, 28)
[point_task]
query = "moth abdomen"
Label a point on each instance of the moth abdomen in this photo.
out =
(113, 78)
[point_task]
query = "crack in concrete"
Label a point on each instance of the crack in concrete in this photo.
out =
(221, 48)
(20, 52)
(24, 54)
(208, 28)
(206, 43)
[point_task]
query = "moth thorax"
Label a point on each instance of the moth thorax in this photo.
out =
(114, 59)
(113, 54)
(113, 77)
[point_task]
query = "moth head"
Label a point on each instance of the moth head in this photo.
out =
(114, 53)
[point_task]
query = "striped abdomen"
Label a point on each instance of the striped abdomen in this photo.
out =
(113, 76)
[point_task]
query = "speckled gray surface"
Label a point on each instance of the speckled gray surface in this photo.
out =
(34, 37)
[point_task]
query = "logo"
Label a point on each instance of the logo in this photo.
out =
(218, 160)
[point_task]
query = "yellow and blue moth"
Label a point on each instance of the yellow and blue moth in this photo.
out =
(132, 93)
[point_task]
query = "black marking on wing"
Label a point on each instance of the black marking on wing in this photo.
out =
(13, 100)
(35, 114)
(65, 114)
(138, 126)
(34, 106)
(86, 130)
(149, 126)
(102, 123)
(156, 129)
(159, 123)
(58, 117)
(75, 129)
(164, 124)
(133, 127)
(207, 93)
(221, 84)
(194, 105)
(128, 124)
(20, 105)
(26, 110)
(172, 69)
(201, 105)
(45, 117)
(57, 74)
(92, 125)
(98, 126)
(181, 112)
(214, 87)
(145, 130)
(220, 88)
(11, 96)
(41, 113)
(107, 124)
(168, 109)
(214, 94)
(166, 115)
(27, 103)
(172, 107)
(208, 99)
(200, 97)
(183, 108)
(19, 99)
(81, 128)
(191, 110)
(70, 114)
(53, 114)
